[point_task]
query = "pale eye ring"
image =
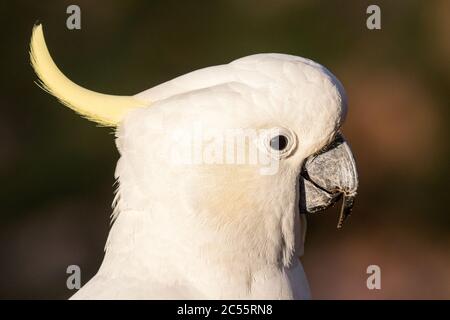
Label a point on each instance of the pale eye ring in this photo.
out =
(279, 142)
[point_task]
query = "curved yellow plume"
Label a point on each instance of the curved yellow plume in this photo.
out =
(104, 109)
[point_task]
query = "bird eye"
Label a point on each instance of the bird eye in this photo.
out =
(279, 142)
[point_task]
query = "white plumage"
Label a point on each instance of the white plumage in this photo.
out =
(212, 231)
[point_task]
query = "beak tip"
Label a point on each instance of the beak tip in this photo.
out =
(346, 208)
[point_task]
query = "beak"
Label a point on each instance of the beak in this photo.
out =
(328, 176)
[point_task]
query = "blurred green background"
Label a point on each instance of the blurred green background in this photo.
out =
(56, 169)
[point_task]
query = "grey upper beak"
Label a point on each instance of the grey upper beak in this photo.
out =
(326, 177)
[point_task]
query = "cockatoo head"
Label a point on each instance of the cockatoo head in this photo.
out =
(239, 150)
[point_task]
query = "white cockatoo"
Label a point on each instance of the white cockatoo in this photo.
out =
(193, 220)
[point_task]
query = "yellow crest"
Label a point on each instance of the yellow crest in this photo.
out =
(107, 110)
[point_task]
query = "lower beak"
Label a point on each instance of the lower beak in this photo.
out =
(328, 176)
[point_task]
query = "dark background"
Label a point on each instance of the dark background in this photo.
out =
(56, 169)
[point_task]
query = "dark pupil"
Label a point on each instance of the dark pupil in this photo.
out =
(279, 143)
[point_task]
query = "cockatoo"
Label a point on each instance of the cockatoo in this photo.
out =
(214, 227)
